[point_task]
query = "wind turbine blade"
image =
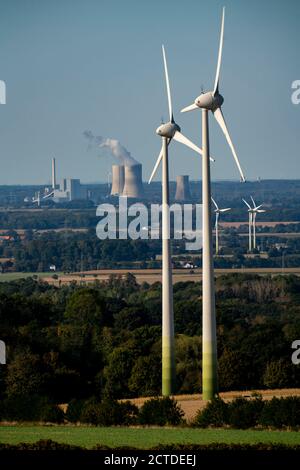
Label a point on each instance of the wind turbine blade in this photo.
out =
(216, 87)
(225, 210)
(258, 207)
(254, 205)
(168, 85)
(215, 204)
(156, 165)
(191, 107)
(221, 121)
(261, 210)
(179, 137)
(248, 205)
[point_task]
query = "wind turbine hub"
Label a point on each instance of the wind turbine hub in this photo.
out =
(168, 130)
(209, 101)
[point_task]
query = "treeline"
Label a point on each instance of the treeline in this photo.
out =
(104, 341)
(72, 251)
(77, 251)
(48, 219)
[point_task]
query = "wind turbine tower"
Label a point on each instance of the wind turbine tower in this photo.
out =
(218, 211)
(210, 101)
(253, 211)
(168, 132)
(250, 223)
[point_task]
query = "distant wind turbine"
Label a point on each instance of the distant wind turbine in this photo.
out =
(218, 211)
(253, 211)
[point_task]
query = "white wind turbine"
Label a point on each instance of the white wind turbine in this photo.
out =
(250, 223)
(167, 132)
(254, 211)
(218, 211)
(210, 101)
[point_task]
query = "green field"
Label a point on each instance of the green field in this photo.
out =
(141, 437)
(14, 276)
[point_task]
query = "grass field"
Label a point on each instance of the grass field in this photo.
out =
(14, 276)
(141, 437)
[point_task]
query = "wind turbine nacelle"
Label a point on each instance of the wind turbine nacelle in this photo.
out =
(209, 101)
(168, 130)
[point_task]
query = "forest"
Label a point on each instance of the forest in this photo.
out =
(104, 340)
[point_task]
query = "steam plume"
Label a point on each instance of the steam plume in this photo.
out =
(113, 146)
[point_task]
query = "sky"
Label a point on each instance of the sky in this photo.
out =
(76, 65)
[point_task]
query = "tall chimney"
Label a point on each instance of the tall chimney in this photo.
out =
(53, 174)
(182, 188)
(133, 186)
(117, 179)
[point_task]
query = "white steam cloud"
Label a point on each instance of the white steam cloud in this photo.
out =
(113, 146)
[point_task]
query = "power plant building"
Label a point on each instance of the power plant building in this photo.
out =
(70, 189)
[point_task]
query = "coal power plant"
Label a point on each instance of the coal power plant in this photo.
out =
(118, 179)
(183, 192)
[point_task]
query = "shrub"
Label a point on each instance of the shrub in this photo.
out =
(243, 413)
(280, 412)
(160, 411)
(31, 408)
(50, 412)
(214, 414)
(108, 413)
(74, 410)
(90, 412)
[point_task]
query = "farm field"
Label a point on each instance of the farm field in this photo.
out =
(142, 275)
(190, 404)
(89, 437)
(6, 277)
(154, 275)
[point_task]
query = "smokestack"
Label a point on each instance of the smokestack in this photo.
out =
(133, 186)
(182, 188)
(53, 174)
(118, 174)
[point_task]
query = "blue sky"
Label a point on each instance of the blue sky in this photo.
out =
(76, 65)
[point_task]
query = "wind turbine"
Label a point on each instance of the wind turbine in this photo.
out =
(37, 198)
(167, 132)
(256, 210)
(253, 211)
(250, 212)
(218, 211)
(210, 101)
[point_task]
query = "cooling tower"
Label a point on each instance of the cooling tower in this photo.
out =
(117, 179)
(133, 186)
(182, 188)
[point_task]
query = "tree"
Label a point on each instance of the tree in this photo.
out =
(24, 375)
(231, 370)
(145, 379)
(277, 374)
(117, 373)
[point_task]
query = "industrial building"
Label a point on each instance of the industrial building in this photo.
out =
(69, 190)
